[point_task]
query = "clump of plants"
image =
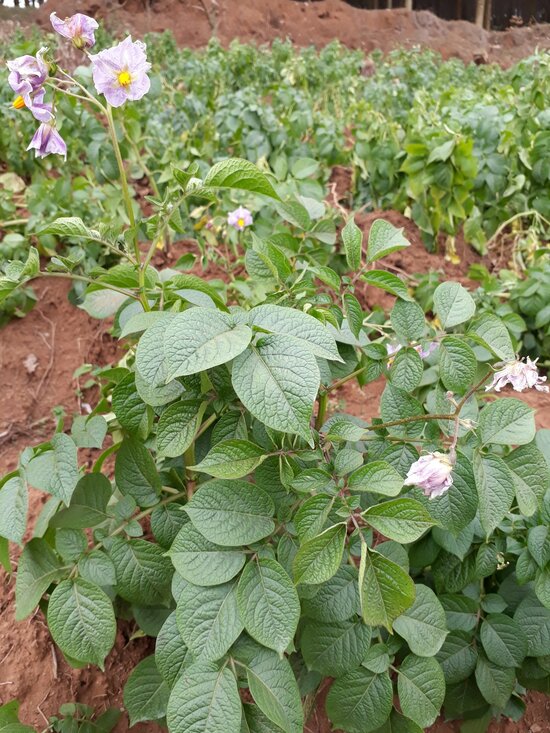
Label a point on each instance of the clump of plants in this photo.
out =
(267, 544)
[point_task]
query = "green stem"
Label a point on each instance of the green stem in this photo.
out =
(129, 207)
(82, 278)
(322, 410)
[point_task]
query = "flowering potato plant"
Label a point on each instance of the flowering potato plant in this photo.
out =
(265, 540)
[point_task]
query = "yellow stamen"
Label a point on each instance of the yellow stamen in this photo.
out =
(240, 222)
(19, 102)
(124, 79)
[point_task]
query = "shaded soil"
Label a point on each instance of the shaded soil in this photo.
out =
(193, 22)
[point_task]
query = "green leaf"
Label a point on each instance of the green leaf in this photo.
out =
(233, 512)
(490, 331)
(136, 474)
(542, 586)
(312, 515)
(457, 364)
(82, 621)
(334, 648)
(384, 239)
(142, 570)
(268, 604)
(453, 304)
(88, 506)
(337, 599)
(254, 721)
(65, 467)
(128, 406)
(406, 369)
(423, 625)
(352, 237)
(177, 427)
(208, 619)
(495, 488)
(495, 683)
(388, 282)
(318, 559)
(538, 542)
(456, 508)
(202, 562)
(70, 226)
(460, 612)
(385, 589)
(396, 404)
(534, 620)
(531, 477)
(403, 520)
(146, 693)
(171, 654)
(376, 477)
(457, 657)
(360, 701)
(507, 421)
(295, 324)
(98, 568)
(14, 504)
(166, 522)
(503, 640)
(408, 320)
(241, 174)
(398, 723)
(421, 688)
(205, 699)
(202, 338)
(277, 381)
(150, 357)
(9, 719)
(231, 459)
(89, 431)
(273, 686)
(38, 568)
(343, 428)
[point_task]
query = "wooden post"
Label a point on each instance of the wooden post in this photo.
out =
(480, 13)
(458, 9)
(488, 14)
(390, 4)
(408, 4)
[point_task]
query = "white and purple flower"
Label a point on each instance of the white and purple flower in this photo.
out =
(120, 72)
(79, 29)
(240, 218)
(521, 375)
(47, 140)
(432, 473)
(26, 77)
(392, 350)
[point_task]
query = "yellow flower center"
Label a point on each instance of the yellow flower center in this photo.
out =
(124, 79)
(240, 222)
(19, 102)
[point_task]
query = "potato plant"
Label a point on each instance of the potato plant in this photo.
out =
(267, 541)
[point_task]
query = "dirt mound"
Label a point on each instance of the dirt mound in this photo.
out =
(193, 22)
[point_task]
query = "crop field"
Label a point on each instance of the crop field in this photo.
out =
(275, 419)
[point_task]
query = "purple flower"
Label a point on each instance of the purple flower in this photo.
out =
(432, 473)
(520, 375)
(240, 218)
(47, 140)
(431, 347)
(392, 350)
(120, 73)
(27, 74)
(79, 28)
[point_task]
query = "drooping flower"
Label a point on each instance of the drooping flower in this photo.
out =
(432, 473)
(120, 72)
(79, 28)
(521, 375)
(41, 110)
(47, 140)
(240, 218)
(27, 75)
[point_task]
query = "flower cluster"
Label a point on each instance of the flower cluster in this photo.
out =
(521, 375)
(119, 73)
